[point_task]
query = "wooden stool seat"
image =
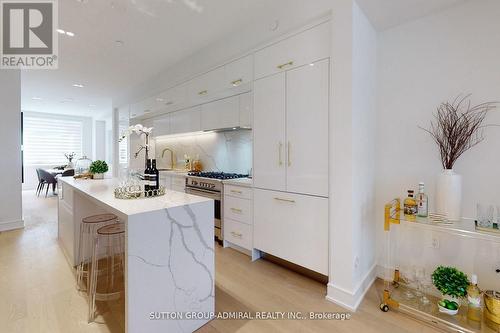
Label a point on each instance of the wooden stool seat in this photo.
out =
(111, 229)
(100, 218)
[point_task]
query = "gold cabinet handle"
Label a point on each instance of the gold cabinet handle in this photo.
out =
(203, 92)
(290, 63)
(285, 200)
(237, 192)
(236, 83)
(280, 148)
(237, 210)
(288, 155)
(236, 234)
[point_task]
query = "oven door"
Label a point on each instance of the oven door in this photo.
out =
(216, 196)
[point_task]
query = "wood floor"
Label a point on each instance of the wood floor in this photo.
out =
(37, 290)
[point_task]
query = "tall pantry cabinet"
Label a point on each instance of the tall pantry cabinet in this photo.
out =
(291, 103)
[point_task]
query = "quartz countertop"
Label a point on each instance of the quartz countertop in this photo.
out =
(245, 182)
(103, 190)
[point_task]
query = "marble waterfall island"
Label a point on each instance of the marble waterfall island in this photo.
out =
(169, 251)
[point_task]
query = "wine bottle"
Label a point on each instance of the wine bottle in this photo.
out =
(422, 201)
(155, 175)
(147, 175)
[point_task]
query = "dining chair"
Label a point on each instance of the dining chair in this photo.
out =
(49, 179)
(41, 182)
(67, 173)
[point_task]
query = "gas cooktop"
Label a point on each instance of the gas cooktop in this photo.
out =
(217, 175)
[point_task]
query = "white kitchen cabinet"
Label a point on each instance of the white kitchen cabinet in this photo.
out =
(223, 113)
(141, 108)
(172, 99)
(161, 125)
(246, 110)
(269, 133)
(178, 183)
(185, 121)
(237, 209)
(291, 130)
(307, 129)
(292, 227)
(303, 48)
(238, 73)
(238, 217)
(205, 87)
(238, 233)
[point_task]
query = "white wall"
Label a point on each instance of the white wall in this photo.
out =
(422, 64)
(100, 142)
(352, 157)
(10, 150)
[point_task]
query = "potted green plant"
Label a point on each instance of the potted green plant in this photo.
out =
(98, 168)
(452, 283)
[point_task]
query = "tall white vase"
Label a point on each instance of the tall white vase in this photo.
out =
(449, 195)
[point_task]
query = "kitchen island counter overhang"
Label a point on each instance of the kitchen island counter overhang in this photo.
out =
(169, 247)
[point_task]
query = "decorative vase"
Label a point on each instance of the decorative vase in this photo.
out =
(98, 176)
(449, 195)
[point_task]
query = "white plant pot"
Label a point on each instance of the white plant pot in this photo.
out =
(98, 176)
(449, 195)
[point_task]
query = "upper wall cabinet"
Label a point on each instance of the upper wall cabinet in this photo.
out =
(185, 121)
(238, 74)
(173, 99)
(141, 108)
(303, 48)
(205, 87)
(223, 113)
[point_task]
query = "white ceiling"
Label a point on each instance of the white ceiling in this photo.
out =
(156, 34)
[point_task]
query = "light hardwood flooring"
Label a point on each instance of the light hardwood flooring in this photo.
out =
(37, 289)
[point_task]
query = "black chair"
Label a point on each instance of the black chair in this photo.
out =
(41, 182)
(49, 179)
(67, 173)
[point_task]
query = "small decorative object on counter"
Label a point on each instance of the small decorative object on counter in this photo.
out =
(136, 192)
(458, 126)
(139, 130)
(82, 165)
(453, 284)
(410, 206)
(187, 162)
(422, 201)
(70, 158)
(98, 169)
(197, 166)
(473, 300)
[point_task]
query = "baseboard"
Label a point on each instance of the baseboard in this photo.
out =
(350, 300)
(11, 225)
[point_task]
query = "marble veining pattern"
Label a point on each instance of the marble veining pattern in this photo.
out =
(229, 151)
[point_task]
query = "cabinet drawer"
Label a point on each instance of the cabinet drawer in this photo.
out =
(179, 181)
(240, 210)
(238, 191)
(238, 233)
(293, 227)
(303, 48)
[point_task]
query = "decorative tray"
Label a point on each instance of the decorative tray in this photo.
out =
(137, 192)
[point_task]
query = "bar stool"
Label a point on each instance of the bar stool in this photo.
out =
(112, 237)
(88, 228)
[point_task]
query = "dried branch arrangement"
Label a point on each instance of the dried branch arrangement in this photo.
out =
(457, 127)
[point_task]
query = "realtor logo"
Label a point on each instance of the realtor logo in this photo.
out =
(28, 35)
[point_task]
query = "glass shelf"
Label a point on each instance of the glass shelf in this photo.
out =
(429, 313)
(464, 226)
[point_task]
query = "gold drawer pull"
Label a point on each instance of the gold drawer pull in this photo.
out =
(203, 92)
(290, 63)
(285, 200)
(237, 192)
(236, 83)
(237, 210)
(236, 234)
(280, 148)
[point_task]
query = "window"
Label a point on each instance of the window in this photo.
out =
(47, 139)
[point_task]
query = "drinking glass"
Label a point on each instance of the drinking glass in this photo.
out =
(424, 282)
(409, 278)
(485, 215)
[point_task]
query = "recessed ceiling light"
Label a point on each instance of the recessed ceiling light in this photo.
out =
(92, 105)
(159, 99)
(36, 98)
(69, 33)
(61, 31)
(169, 103)
(119, 43)
(147, 111)
(78, 85)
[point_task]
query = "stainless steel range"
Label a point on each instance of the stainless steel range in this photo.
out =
(209, 185)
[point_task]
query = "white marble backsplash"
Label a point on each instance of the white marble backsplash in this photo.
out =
(229, 151)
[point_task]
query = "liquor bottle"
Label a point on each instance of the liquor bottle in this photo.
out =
(422, 201)
(474, 300)
(154, 176)
(410, 207)
(147, 174)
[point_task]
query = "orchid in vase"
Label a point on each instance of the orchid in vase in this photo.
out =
(139, 130)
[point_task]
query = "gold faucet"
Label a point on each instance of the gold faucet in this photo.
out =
(171, 157)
